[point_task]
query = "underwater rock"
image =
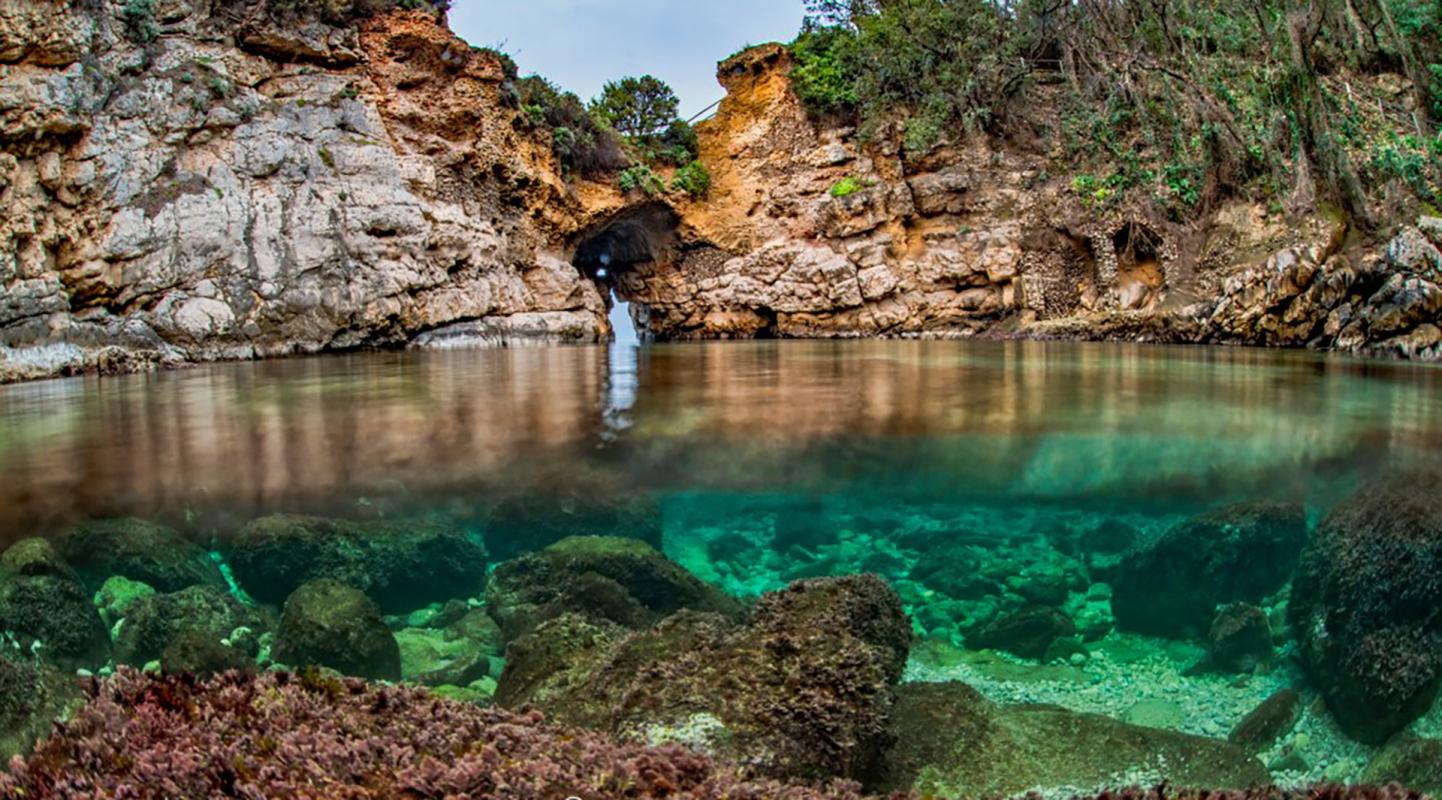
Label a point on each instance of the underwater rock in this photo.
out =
(57, 613)
(1364, 606)
(559, 504)
(139, 550)
(197, 652)
(363, 740)
(804, 526)
(1172, 586)
(952, 742)
(118, 595)
(1026, 633)
(622, 580)
(803, 690)
(34, 556)
(954, 569)
(1240, 638)
(32, 697)
(401, 565)
(329, 624)
(1411, 761)
(153, 622)
(1268, 722)
(428, 657)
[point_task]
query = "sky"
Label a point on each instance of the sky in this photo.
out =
(581, 44)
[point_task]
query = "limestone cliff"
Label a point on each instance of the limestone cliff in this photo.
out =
(238, 184)
(244, 187)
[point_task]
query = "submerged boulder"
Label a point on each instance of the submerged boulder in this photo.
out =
(559, 504)
(803, 690)
(952, 742)
(153, 623)
(1411, 761)
(139, 550)
(1365, 602)
(1028, 633)
(401, 565)
(53, 616)
(1268, 722)
(1172, 586)
(33, 556)
(329, 624)
(32, 697)
(1240, 638)
(625, 581)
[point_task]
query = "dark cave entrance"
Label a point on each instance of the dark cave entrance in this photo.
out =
(621, 253)
(1140, 279)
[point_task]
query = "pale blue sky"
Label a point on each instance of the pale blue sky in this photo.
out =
(581, 44)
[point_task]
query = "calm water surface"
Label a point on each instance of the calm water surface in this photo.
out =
(1120, 428)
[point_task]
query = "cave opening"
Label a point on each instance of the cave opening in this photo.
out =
(619, 255)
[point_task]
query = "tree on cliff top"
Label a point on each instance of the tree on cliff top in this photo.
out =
(637, 107)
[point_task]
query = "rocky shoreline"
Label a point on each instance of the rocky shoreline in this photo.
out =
(371, 183)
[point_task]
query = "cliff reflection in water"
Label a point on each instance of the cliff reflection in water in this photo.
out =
(1058, 423)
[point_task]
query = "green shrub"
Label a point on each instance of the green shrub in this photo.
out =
(581, 143)
(140, 24)
(693, 179)
(848, 186)
(826, 72)
(678, 145)
(641, 177)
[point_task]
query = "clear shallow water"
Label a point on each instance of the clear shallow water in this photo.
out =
(1112, 427)
(1026, 467)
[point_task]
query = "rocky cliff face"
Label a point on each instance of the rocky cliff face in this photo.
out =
(810, 233)
(242, 185)
(242, 188)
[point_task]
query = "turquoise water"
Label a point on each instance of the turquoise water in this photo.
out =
(979, 480)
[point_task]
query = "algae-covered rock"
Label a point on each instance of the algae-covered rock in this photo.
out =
(118, 595)
(197, 652)
(153, 622)
(329, 624)
(622, 580)
(803, 690)
(559, 504)
(1268, 722)
(401, 565)
(429, 657)
(1364, 606)
(57, 613)
(1240, 638)
(33, 556)
(1411, 761)
(139, 550)
(32, 697)
(1172, 586)
(1028, 632)
(952, 742)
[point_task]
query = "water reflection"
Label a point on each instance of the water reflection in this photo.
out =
(981, 422)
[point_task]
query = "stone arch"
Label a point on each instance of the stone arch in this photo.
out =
(620, 253)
